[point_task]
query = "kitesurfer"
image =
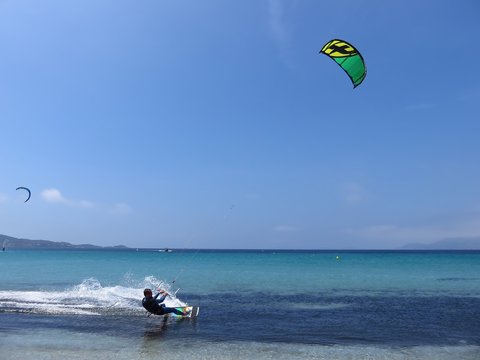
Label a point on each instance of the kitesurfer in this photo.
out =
(155, 306)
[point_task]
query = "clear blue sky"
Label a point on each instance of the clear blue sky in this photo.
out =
(217, 124)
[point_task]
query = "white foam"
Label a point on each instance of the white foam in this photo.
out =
(86, 298)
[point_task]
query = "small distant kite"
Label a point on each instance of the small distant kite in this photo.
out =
(349, 59)
(28, 190)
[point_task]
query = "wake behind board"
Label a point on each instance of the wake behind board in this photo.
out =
(193, 311)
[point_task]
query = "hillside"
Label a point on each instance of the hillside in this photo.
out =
(10, 242)
(447, 244)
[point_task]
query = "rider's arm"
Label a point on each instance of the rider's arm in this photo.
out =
(162, 298)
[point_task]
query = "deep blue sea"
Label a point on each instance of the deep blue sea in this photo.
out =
(253, 304)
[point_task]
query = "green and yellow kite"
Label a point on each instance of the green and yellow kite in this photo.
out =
(349, 59)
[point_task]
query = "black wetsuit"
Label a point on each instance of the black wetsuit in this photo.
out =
(154, 306)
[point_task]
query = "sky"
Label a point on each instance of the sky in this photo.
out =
(217, 124)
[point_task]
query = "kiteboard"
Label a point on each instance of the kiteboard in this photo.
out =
(192, 311)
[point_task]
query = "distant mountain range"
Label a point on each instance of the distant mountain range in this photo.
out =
(447, 244)
(10, 242)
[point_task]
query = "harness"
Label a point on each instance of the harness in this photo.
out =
(152, 306)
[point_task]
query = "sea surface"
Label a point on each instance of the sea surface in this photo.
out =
(253, 304)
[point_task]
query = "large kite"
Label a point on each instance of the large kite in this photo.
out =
(349, 59)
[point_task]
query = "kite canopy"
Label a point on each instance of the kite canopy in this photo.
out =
(349, 59)
(28, 190)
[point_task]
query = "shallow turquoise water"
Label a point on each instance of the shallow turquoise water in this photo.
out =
(279, 272)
